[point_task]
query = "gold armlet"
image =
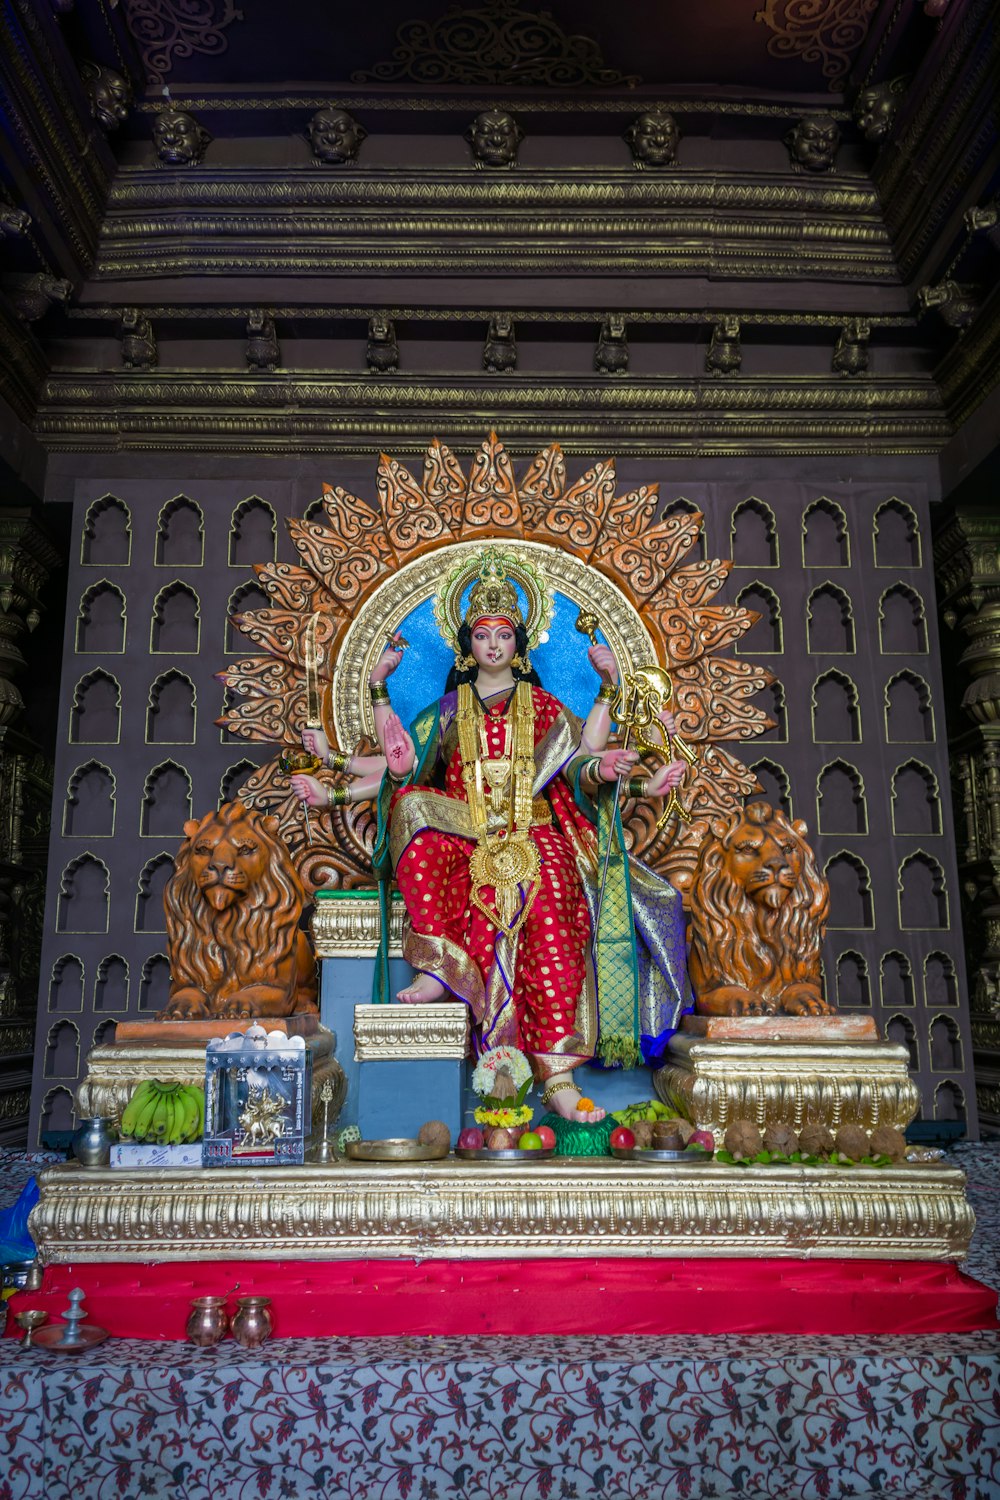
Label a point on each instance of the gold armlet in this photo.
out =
(636, 786)
(338, 760)
(338, 796)
(378, 692)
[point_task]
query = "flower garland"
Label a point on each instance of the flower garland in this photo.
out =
(500, 1057)
(507, 1117)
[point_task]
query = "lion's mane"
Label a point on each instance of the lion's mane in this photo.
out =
(739, 942)
(259, 929)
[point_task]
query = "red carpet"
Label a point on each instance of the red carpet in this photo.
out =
(357, 1298)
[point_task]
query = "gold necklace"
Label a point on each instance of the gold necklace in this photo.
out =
(499, 792)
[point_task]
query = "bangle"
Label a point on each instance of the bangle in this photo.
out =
(591, 769)
(338, 760)
(636, 786)
(379, 693)
(338, 796)
(607, 692)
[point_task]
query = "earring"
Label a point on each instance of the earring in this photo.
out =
(468, 662)
(518, 662)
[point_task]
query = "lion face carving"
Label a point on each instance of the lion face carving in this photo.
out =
(758, 912)
(233, 906)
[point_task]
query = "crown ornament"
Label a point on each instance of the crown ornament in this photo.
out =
(500, 579)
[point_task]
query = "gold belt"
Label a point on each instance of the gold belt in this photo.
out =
(541, 816)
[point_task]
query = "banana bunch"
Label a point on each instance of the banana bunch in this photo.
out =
(646, 1109)
(164, 1113)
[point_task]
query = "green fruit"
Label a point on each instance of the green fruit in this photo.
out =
(529, 1141)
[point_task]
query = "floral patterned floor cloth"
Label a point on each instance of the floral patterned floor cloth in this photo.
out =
(503, 1419)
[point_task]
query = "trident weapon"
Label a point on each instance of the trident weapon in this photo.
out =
(636, 707)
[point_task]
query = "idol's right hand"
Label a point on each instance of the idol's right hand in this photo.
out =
(316, 742)
(309, 790)
(387, 663)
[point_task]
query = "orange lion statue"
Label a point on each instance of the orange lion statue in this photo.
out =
(758, 913)
(233, 906)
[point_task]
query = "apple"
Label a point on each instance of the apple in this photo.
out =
(622, 1138)
(471, 1139)
(529, 1141)
(547, 1136)
(703, 1138)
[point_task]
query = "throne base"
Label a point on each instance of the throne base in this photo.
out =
(451, 1209)
(789, 1070)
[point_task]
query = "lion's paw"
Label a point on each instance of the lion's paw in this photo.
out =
(234, 1010)
(185, 1005)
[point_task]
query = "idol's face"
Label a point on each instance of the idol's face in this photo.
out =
(873, 113)
(494, 137)
(494, 644)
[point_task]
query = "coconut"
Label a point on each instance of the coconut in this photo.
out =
(888, 1141)
(781, 1139)
(816, 1140)
(853, 1142)
(434, 1133)
(743, 1139)
(684, 1128)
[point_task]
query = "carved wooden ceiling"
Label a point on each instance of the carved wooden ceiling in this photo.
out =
(785, 269)
(780, 45)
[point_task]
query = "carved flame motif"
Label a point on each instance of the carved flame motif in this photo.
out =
(647, 560)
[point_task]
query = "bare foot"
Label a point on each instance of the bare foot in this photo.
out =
(424, 989)
(564, 1104)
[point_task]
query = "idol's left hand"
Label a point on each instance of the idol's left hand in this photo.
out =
(663, 781)
(668, 721)
(602, 659)
(615, 763)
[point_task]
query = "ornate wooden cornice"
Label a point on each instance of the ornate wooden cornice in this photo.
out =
(942, 138)
(326, 413)
(250, 221)
(971, 368)
(54, 152)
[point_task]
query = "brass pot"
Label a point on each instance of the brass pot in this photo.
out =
(251, 1322)
(207, 1321)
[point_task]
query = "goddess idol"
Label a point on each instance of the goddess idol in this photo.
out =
(498, 819)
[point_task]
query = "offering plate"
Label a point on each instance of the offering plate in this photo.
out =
(401, 1148)
(483, 1153)
(650, 1153)
(51, 1337)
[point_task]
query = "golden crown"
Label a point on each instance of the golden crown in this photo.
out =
(493, 574)
(493, 594)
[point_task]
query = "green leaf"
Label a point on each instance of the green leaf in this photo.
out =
(522, 1092)
(726, 1156)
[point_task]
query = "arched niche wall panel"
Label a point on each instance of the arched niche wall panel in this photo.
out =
(171, 710)
(154, 983)
(66, 985)
(909, 711)
(89, 810)
(175, 628)
(149, 914)
(84, 892)
(902, 622)
(253, 533)
(853, 981)
(830, 621)
(896, 535)
(247, 597)
(836, 713)
(107, 534)
(852, 908)
(753, 535)
(56, 1115)
(774, 785)
(180, 534)
(95, 712)
(826, 539)
(62, 1050)
(111, 984)
(110, 715)
(916, 802)
(100, 619)
(840, 799)
(766, 636)
(166, 802)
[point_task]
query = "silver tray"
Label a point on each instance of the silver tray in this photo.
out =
(483, 1153)
(88, 1336)
(400, 1148)
(649, 1153)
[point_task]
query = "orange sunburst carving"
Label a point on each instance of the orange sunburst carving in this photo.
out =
(343, 561)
